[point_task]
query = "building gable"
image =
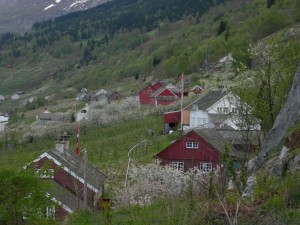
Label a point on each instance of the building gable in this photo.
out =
(178, 150)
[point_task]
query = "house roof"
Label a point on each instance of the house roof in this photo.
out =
(213, 137)
(77, 164)
(208, 99)
(196, 86)
(45, 116)
(238, 137)
(218, 118)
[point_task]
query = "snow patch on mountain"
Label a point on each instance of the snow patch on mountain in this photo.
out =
(78, 2)
(48, 7)
(57, 1)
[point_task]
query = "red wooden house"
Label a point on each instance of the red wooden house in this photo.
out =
(164, 96)
(69, 176)
(146, 92)
(199, 148)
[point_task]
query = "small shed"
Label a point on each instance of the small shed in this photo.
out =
(15, 96)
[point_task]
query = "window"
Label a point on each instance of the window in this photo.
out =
(219, 109)
(205, 167)
(194, 107)
(192, 144)
(225, 110)
(45, 173)
(50, 212)
(234, 110)
(178, 165)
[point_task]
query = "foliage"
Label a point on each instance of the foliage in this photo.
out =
(266, 88)
(23, 194)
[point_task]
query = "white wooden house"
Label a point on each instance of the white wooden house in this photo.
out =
(2, 98)
(3, 121)
(83, 113)
(211, 110)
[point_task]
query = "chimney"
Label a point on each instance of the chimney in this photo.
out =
(62, 143)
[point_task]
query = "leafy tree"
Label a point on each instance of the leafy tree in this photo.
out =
(222, 27)
(22, 197)
(267, 87)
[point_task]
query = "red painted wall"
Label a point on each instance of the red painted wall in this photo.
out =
(145, 94)
(60, 213)
(173, 117)
(177, 151)
(66, 180)
(165, 92)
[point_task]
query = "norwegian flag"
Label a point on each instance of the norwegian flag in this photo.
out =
(77, 139)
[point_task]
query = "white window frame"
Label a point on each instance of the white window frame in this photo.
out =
(192, 144)
(225, 110)
(178, 165)
(234, 110)
(49, 173)
(50, 212)
(205, 167)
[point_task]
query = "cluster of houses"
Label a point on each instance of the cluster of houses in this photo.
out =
(209, 124)
(164, 93)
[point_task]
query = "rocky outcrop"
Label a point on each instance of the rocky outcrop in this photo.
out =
(294, 165)
(287, 117)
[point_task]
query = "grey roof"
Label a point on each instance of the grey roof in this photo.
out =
(218, 118)
(239, 137)
(208, 99)
(76, 164)
(167, 98)
(65, 196)
(45, 116)
(212, 136)
(158, 91)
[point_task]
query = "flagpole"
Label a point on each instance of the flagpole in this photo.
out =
(181, 102)
(77, 138)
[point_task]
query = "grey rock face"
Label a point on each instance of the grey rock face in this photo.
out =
(287, 117)
(294, 165)
(251, 181)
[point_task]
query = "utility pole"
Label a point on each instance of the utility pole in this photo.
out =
(85, 183)
(181, 102)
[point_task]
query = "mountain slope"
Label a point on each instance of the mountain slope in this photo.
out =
(136, 41)
(18, 15)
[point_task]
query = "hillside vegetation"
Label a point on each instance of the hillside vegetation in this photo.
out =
(137, 41)
(123, 45)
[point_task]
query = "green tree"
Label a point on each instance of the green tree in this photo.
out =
(22, 197)
(267, 86)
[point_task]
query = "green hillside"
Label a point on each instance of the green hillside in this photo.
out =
(123, 45)
(107, 45)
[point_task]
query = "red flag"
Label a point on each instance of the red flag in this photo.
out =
(77, 139)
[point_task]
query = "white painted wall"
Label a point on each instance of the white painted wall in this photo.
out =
(224, 105)
(3, 122)
(83, 114)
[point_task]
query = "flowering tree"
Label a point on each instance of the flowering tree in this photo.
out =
(152, 181)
